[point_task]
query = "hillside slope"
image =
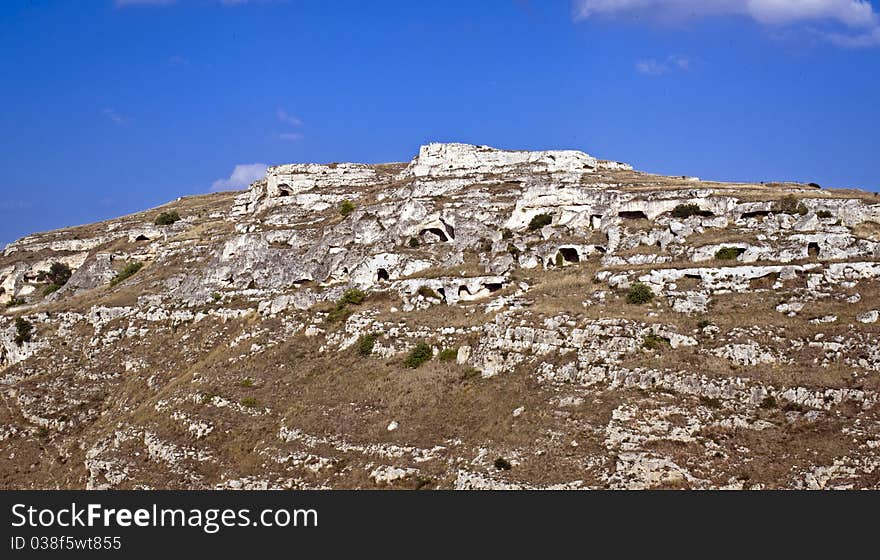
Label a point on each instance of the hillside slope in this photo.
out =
(587, 326)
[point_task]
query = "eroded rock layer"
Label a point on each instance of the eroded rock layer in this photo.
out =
(581, 325)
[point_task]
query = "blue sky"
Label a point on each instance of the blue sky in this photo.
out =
(114, 106)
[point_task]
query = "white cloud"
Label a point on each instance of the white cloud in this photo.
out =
(243, 175)
(860, 23)
(653, 67)
(290, 136)
(287, 118)
(115, 116)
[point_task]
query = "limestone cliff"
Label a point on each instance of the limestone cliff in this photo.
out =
(591, 326)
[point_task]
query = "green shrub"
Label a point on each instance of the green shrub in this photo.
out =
(58, 274)
(216, 296)
(346, 208)
(728, 253)
(506, 234)
(824, 214)
(249, 402)
(339, 313)
(428, 293)
(208, 398)
(704, 323)
(246, 382)
(51, 289)
(513, 250)
(789, 205)
(653, 341)
(687, 210)
(127, 272)
(366, 343)
(24, 331)
(420, 354)
(502, 464)
(167, 218)
(414, 242)
(540, 221)
(15, 301)
(353, 296)
(448, 354)
(639, 293)
(769, 402)
(560, 260)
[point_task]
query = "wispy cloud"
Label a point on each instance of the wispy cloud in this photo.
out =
(654, 67)
(177, 60)
(243, 175)
(848, 23)
(118, 118)
(290, 136)
(287, 118)
(291, 120)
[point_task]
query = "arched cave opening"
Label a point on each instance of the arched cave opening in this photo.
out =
(382, 275)
(633, 215)
(813, 250)
(570, 254)
(463, 290)
(494, 286)
(435, 231)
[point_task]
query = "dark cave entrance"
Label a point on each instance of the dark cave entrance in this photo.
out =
(382, 275)
(570, 254)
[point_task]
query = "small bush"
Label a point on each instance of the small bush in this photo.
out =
(448, 354)
(769, 402)
(366, 343)
(15, 301)
(167, 218)
(216, 296)
(246, 382)
(127, 272)
(24, 331)
(506, 234)
(540, 221)
(352, 296)
(639, 293)
(42, 432)
(704, 323)
(789, 205)
(470, 373)
(414, 242)
(824, 214)
(346, 208)
(428, 293)
(728, 253)
(560, 260)
(339, 313)
(502, 464)
(683, 211)
(420, 354)
(51, 289)
(208, 398)
(249, 402)
(58, 275)
(513, 250)
(653, 341)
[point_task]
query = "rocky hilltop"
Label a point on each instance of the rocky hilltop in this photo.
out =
(476, 318)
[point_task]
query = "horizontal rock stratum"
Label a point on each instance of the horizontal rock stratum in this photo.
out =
(475, 318)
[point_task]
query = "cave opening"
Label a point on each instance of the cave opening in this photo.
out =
(570, 254)
(813, 250)
(382, 275)
(633, 215)
(494, 287)
(435, 231)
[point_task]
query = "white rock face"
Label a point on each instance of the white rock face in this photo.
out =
(290, 179)
(462, 160)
